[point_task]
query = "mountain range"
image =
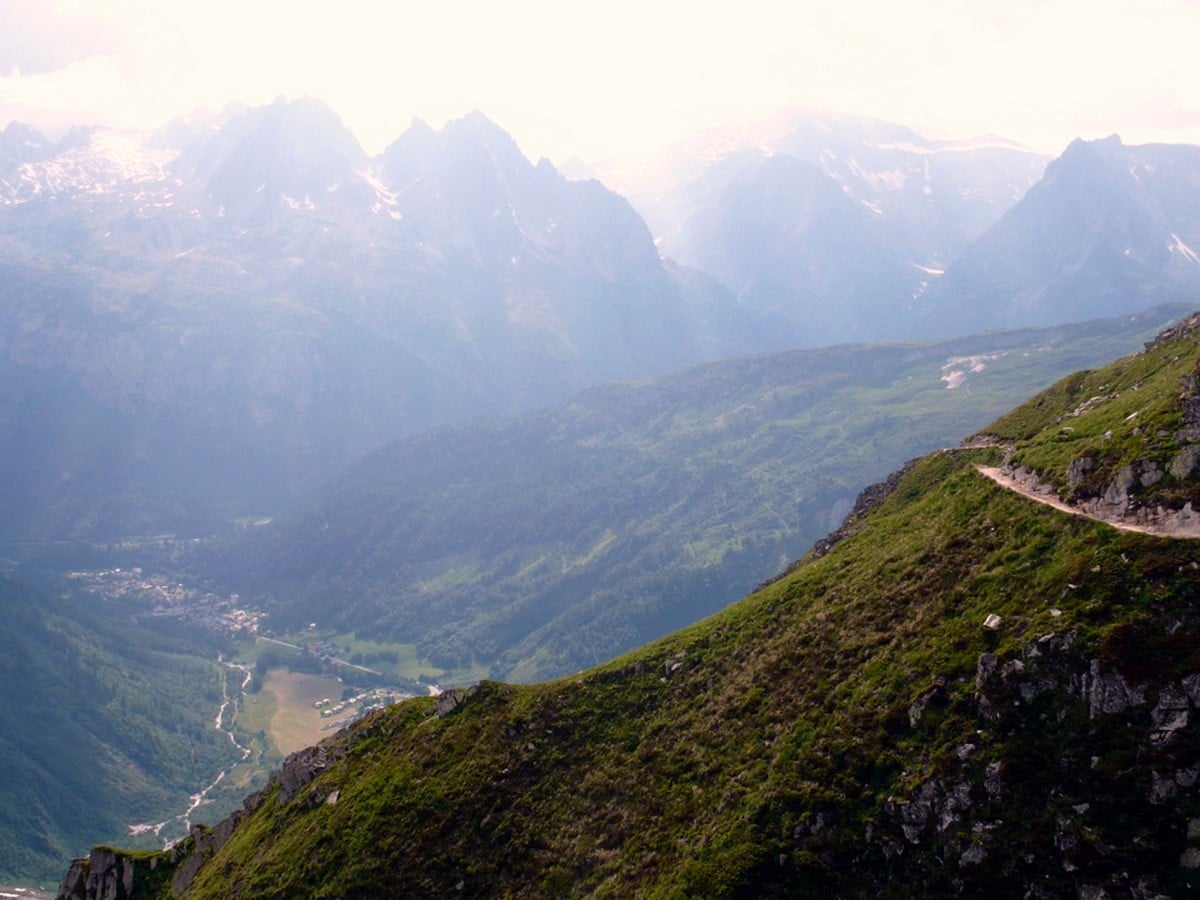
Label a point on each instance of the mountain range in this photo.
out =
(200, 325)
(242, 317)
(1107, 223)
(831, 225)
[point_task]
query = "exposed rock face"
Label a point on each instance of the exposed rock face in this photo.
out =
(74, 885)
(1180, 329)
(298, 771)
(1107, 693)
(1078, 470)
(1154, 491)
(1184, 463)
(301, 767)
(962, 813)
(449, 701)
(104, 875)
(1119, 504)
(1189, 399)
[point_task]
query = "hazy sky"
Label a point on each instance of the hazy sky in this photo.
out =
(620, 76)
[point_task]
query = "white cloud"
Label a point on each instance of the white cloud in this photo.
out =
(626, 75)
(74, 92)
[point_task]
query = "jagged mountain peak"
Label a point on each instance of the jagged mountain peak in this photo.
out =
(924, 202)
(472, 147)
(1108, 143)
(21, 143)
(410, 155)
(271, 229)
(291, 149)
(1091, 156)
(471, 179)
(479, 127)
(418, 132)
(24, 133)
(1108, 225)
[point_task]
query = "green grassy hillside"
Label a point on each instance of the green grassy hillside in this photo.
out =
(1128, 434)
(536, 546)
(854, 728)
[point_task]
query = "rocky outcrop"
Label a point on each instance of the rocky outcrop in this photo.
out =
(1112, 732)
(1180, 329)
(301, 767)
(449, 701)
(1119, 505)
(107, 875)
(1108, 692)
(1078, 469)
(1157, 489)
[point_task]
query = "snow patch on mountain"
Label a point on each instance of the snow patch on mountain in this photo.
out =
(385, 199)
(293, 203)
(888, 179)
(957, 369)
(1178, 246)
(107, 162)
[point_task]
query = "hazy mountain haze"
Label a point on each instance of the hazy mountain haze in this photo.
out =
(616, 79)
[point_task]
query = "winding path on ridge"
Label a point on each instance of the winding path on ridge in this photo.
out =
(1007, 481)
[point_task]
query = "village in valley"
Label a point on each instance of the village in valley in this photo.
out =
(291, 689)
(355, 707)
(225, 616)
(170, 598)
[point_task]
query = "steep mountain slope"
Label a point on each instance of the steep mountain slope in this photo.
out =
(797, 250)
(1107, 227)
(938, 195)
(547, 280)
(966, 694)
(103, 724)
(250, 312)
(748, 206)
(533, 547)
